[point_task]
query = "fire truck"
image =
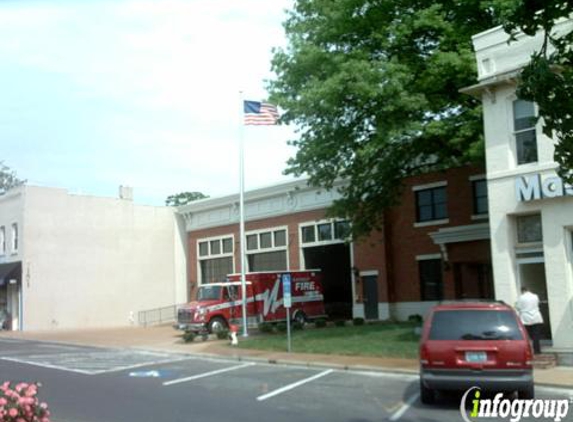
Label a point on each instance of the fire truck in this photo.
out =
(219, 305)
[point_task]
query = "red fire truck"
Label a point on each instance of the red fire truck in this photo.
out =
(220, 304)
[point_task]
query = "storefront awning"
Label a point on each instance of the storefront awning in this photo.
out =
(10, 271)
(468, 233)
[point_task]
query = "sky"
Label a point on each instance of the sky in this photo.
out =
(95, 94)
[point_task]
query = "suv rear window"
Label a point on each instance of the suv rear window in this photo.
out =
(474, 325)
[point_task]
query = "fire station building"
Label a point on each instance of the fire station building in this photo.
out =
(434, 246)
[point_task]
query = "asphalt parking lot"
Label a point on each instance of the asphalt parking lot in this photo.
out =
(85, 384)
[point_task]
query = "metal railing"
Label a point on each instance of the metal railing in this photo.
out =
(158, 316)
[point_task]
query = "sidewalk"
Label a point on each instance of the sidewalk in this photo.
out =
(166, 339)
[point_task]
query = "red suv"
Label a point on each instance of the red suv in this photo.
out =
(475, 344)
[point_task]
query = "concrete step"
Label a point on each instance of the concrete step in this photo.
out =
(545, 361)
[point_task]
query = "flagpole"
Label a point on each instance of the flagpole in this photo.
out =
(242, 215)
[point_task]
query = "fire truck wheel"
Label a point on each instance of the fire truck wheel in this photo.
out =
(217, 324)
(300, 317)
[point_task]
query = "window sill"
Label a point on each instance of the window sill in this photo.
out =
(477, 217)
(432, 223)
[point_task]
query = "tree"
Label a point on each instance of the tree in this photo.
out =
(8, 178)
(373, 89)
(548, 79)
(183, 198)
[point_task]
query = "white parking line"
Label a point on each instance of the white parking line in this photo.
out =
(207, 374)
(294, 385)
(404, 408)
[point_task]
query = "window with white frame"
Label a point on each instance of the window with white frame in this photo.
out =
(524, 131)
(14, 237)
(2, 240)
(431, 204)
(325, 232)
(267, 250)
(479, 193)
(529, 228)
(215, 256)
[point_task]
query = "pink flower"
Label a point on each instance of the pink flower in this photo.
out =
(3, 401)
(13, 413)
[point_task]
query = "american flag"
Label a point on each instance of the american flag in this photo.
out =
(258, 113)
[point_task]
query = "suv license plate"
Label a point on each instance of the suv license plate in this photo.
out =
(476, 357)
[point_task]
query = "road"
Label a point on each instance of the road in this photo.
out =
(86, 384)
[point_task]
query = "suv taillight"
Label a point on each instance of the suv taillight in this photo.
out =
(528, 355)
(424, 355)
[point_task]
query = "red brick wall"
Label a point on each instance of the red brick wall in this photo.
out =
(392, 252)
(405, 241)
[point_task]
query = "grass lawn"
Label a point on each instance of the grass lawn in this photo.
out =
(379, 339)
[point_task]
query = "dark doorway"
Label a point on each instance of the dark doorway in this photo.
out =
(334, 263)
(370, 288)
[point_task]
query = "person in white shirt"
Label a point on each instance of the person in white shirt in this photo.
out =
(527, 307)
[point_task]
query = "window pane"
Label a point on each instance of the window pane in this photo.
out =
(325, 231)
(424, 197)
(523, 114)
(280, 238)
(430, 279)
(268, 261)
(439, 195)
(266, 240)
(480, 196)
(529, 229)
(215, 270)
(425, 213)
(203, 249)
(215, 247)
(308, 234)
(252, 242)
(440, 211)
(526, 143)
(341, 229)
(228, 245)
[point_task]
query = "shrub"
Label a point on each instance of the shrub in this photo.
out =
(320, 323)
(358, 321)
(340, 323)
(222, 334)
(189, 336)
(281, 327)
(19, 403)
(296, 325)
(266, 327)
(415, 318)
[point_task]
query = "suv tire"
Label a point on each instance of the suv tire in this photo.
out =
(527, 393)
(427, 395)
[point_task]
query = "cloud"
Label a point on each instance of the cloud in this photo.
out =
(146, 91)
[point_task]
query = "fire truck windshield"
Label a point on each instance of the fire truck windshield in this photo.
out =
(208, 293)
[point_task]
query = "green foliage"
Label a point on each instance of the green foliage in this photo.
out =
(296, 325)
(373, 88)
(183, 198)
(548, 79)
(320, 323)
(189, 336)
(8, 178)
(340, 323)
(282, 327)
(358, 321)
(222, 334)
(415, 318)
(266, 327)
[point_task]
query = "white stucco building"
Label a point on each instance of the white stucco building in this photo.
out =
(530, 210)
(75, 261)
